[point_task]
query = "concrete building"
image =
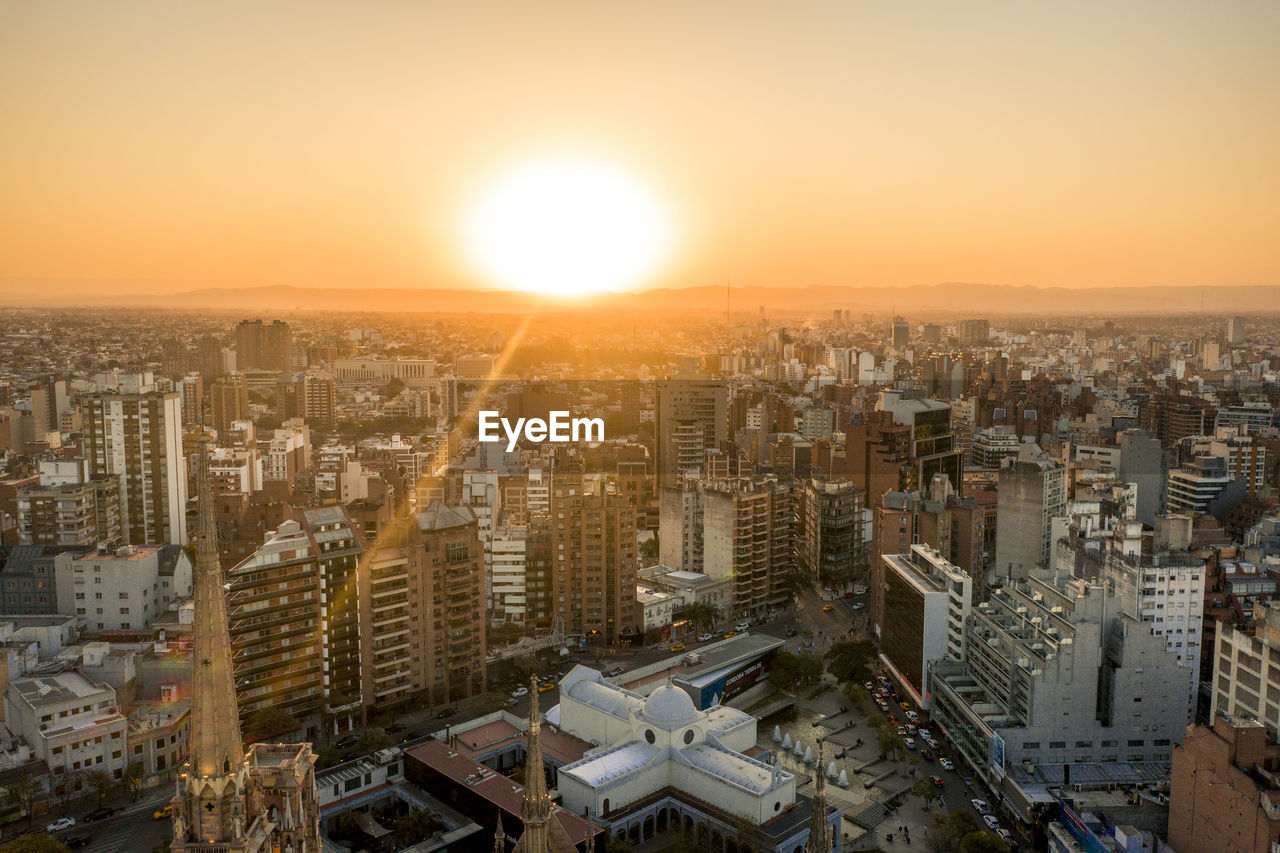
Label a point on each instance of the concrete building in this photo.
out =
(1143, 462)
(294, 614)
(1202, 485)
(925, 605)
(658, 607)
(135, 434)
(900, 334)
(691, 418)
(661, 763)
(975, 332)
(1058, 674)
(228, 401)
(748, 534)
(1224, 792)
(1032, 491)
(507, 587)
(1249, 417)
(992, 446)
(413, 372)
(830, 543)
(72, 724)
(930, 444)
(1235, 330)
(70, 514)
(29, 580)
(124, 589)
(1247, 669)
(317, 399)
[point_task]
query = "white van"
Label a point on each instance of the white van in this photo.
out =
(742, 626)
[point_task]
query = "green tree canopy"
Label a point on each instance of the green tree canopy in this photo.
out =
(849, 661)
(794, 672)
(983, 841)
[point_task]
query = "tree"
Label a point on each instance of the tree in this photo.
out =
(859, 696)
(888, 741)
(649, 549)
(949, 830)
(393, 388)
(373, 740)
(926, 791)
(41, 843)
(416, 826)
(617, 845)
(268, 722)
(983, 841)
(848, 661)
(101, 783)
(699, 614)
(796, 583)
(26, 791)
(794, 672)
(133, 781)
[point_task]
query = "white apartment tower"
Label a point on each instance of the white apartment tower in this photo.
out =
(135, 433)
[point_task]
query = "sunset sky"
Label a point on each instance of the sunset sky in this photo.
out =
(310, 143)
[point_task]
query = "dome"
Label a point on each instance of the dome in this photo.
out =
(669, 707)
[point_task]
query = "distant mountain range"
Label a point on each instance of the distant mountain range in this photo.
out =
(941, 301)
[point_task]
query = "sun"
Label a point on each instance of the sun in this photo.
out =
(567, 226)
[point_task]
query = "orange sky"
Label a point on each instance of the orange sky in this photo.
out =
(842, 142)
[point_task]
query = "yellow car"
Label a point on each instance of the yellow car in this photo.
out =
(543, 688)
(827, 608)
(161, 814)
(728, 634)
(678, 647)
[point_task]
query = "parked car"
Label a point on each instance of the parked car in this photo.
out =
(912, 716)
(980, 806)
(1006, 835)
(857, 605)
(909, 743)
(991, 822)
(78, 840)
(742, 626)
(869, 685)
(937, 781)
(893, 718)
(924, 733)
(616, 671)
(926, 755)
(728, 634)
(348, 741)
(827, 608)
(162, 813)
(61, 824)
(933, 744)
(945, 764)
(519, 692)
(99, 814)
(706, 638)
(861, 589)
(678, 647)
(903, 731)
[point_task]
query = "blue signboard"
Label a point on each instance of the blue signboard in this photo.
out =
(997, 753)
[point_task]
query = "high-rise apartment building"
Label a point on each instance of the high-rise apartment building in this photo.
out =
(594, 556)
(209, 358)
(931, 447)
(1173, 417)
(975, 332)
(175, 359)
(748, 534)
(192, 391)
(1247, 669)
(925, 603)
(692, 417)
(831, 546)
(1235, 330)
(228, 401)
(267, 346)
(1032, 490)
(135, 434)
(317, 399)
(901, 333)
(294, 617)
(1143, 462)
(48, 401)
(74, 513)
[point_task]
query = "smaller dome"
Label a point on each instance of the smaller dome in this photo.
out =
(669, 707)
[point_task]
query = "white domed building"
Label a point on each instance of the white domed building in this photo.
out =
(663, 766)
